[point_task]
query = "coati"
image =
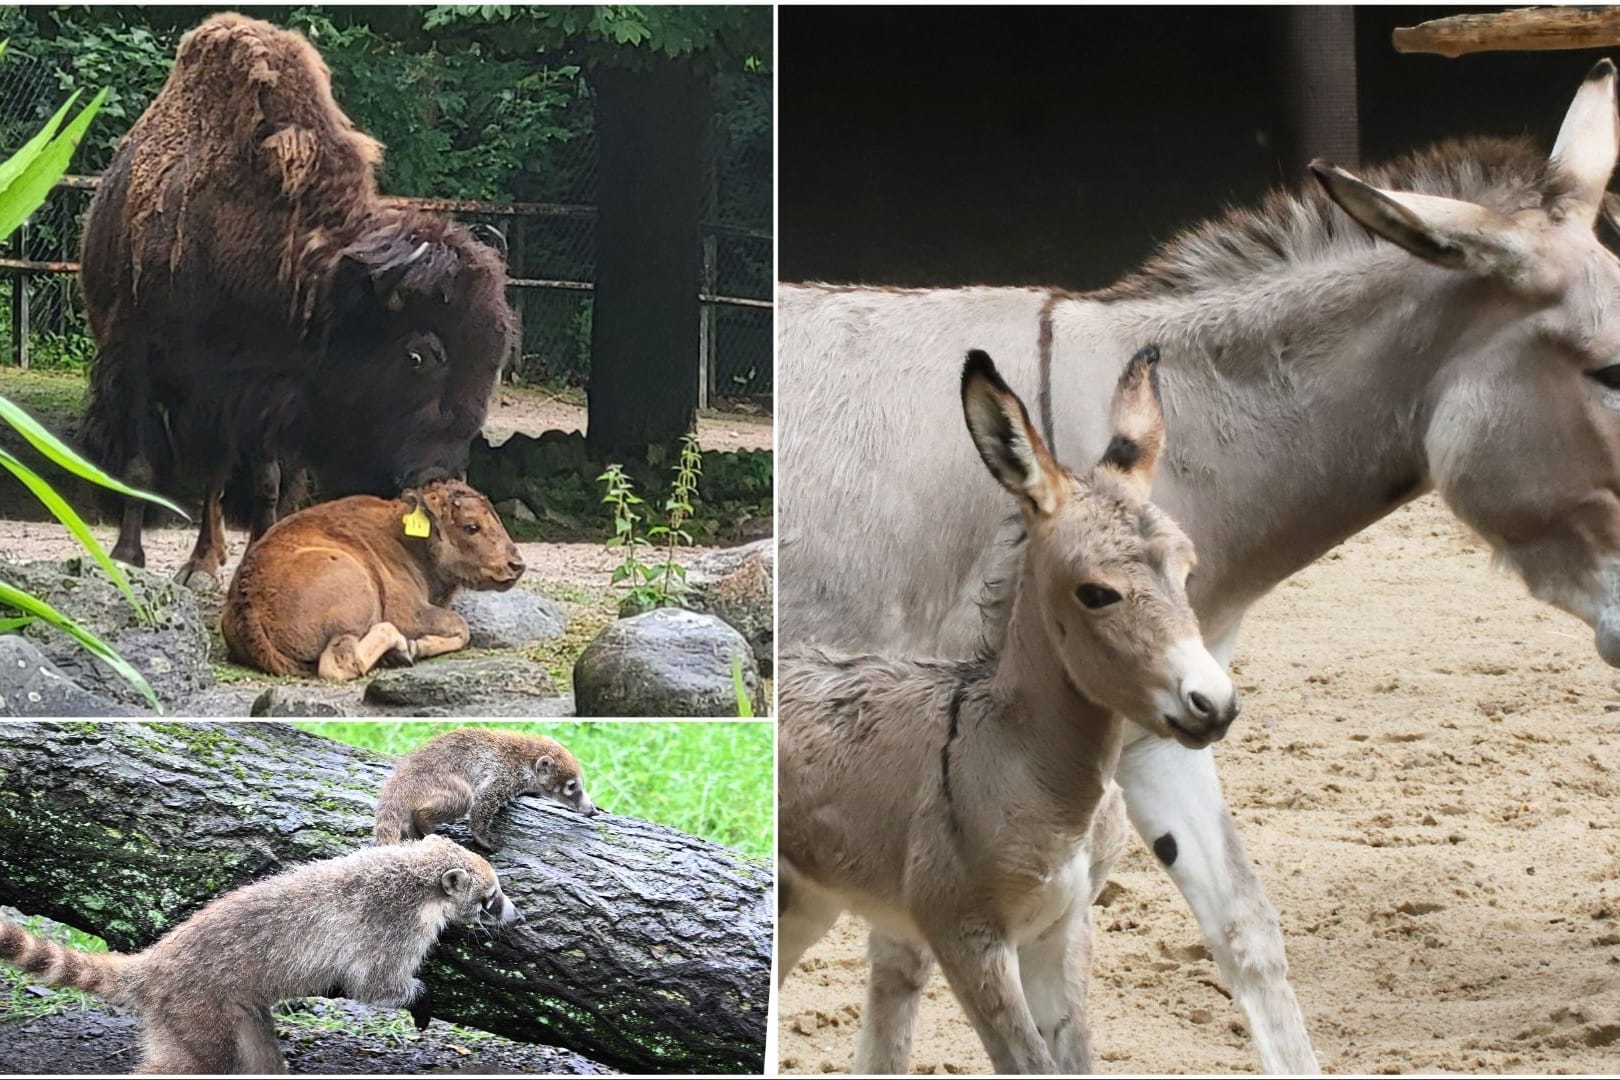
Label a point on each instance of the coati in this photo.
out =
(473, 772)
(357, 926)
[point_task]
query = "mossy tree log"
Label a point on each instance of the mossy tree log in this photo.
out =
(645, 949)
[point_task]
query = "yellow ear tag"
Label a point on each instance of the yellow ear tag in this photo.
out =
(417, 523)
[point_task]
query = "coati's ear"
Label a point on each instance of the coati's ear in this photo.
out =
(1006, 440)
(454, 881)
(545, 767)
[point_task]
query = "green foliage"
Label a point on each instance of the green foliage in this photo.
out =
(679, 508)
(26, 178)
(458, 123)
(745, 706)
(712, 780)
(650, 585)
(714, 38)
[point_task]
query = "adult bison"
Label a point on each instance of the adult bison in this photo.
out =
(257, 307)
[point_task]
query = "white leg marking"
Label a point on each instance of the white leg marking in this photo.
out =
(1173, 791)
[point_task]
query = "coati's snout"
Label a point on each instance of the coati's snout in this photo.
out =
(473, 890)
(557, 777)
(499, 910)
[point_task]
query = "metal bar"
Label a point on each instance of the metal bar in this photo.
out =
(30, 266)
(22, 267)
(736, 301)
(19, 305)
(706, 349)
(479, 206)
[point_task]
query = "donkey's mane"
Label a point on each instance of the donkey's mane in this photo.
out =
(1290, 227)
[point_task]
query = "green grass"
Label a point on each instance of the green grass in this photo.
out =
(708, 778)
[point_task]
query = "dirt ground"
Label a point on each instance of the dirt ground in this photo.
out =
(1427, 772)
(533, 410)
(106, 1042)
(586, 566)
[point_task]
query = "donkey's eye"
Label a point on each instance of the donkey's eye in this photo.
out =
(1608, 376)
(471, 527)
(1096, 596)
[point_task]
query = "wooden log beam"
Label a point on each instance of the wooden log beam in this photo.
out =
(645, 949)
(1518, 30)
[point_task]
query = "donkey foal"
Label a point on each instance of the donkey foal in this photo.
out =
(967, 809)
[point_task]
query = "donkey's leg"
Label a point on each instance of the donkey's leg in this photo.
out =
(982, 968)
(804, 915)
(1055, 968)
(899, 972)
(1174, 800)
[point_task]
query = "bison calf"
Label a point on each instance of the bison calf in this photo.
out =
(332, 590)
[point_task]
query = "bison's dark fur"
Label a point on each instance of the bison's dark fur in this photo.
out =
(257, 306)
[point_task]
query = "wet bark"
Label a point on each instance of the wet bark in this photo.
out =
(645, 949)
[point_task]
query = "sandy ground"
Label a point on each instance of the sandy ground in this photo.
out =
(533, 410)
(1427, 772)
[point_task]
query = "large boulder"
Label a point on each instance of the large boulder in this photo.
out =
(170, 652)
(515, 619)
(739, 585)
(668, 662)
(480, 686)
(30, 685)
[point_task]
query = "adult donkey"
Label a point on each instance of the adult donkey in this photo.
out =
(1314, 379)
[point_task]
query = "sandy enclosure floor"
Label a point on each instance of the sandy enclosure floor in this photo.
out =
(1427, 772)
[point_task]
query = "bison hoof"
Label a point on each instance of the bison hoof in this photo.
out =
(198, 578)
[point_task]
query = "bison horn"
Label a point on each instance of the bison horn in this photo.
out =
(388, 279)
(490, 236)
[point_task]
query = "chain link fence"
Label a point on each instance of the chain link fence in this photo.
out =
(551, 267)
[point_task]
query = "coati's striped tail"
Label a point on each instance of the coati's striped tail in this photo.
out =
(94, 973)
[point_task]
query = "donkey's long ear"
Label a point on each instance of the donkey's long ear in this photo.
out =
(1137, 421)
(1448, 232)
(1588, 141)
(1008, 443)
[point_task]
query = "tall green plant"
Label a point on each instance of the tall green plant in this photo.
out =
(26, 179)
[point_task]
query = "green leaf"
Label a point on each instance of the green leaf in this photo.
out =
(22, 197)
(8, 625)
(11, 596)
(64, 456)
(75, 524)
(14, 166)
(745, 706)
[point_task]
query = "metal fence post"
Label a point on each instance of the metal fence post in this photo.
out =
(19, 302)
(706, 344)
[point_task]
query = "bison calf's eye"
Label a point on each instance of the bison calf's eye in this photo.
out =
(416, 360)
(1096, 596)
(471, 527)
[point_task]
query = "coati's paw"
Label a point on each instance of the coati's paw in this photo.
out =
(421, 1005)
(487, 842)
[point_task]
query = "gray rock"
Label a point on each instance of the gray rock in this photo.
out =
(669, 662)
(470, 687)
(739, 585)
(515, 619)
(171, 653)
(30, 685)
(287, 701)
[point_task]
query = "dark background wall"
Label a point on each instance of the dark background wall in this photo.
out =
(937, 146)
